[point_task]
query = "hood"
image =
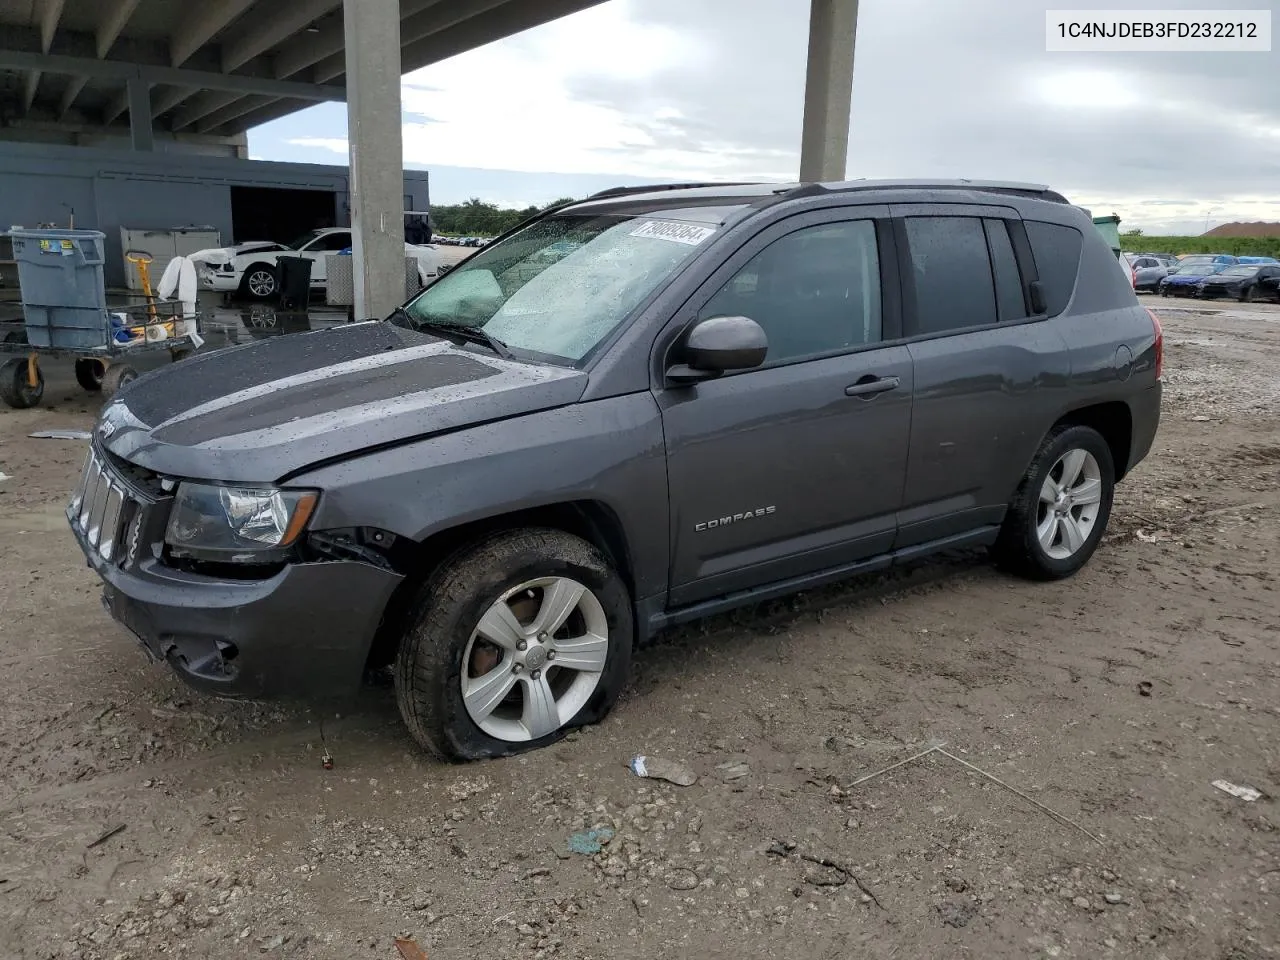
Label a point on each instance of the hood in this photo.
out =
(230, 253)
(1188, 277)
(1219, 279)
(262, 411)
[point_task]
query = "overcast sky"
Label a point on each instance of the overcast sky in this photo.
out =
(637, 90)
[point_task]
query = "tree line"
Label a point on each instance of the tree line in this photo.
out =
(1137, 242)
(475, 218)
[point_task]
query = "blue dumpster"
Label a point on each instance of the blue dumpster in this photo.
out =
(64, 297)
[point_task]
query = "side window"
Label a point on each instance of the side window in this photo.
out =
(332, 242)
(814, 291)
(1057, 252)
(951, 272)
(1010, 298)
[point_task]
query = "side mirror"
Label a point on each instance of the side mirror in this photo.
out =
(1039, 302)
(717, 345)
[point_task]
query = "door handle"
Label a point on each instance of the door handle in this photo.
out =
(869, 386)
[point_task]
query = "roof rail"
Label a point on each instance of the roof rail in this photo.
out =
(658, 187)
(1038, 191)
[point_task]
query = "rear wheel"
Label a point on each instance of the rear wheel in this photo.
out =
(16, 388)
(514, 642)
(116, 377)
(1060, 511)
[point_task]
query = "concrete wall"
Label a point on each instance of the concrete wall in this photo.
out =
(110, 189)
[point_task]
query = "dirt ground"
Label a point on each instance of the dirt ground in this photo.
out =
(1115, 699)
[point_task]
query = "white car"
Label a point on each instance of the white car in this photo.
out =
(249, 269)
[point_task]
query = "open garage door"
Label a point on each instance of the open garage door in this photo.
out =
(279, 214)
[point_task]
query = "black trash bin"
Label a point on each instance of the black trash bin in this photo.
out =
(293, 281)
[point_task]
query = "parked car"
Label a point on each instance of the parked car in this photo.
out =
(1148, 271)
(1207, 258)
(1264, 260)
(249, 269)
(719, 395)
(1185, 280)
(1240, 281)
(1267, 288)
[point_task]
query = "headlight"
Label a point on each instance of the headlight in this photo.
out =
(237, 524)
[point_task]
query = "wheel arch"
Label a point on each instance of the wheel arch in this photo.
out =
(1114, 421)
(592, 520)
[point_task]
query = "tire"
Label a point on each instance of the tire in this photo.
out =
(518, 570)
(259, 282)
(1246, 296)
(89, 374)
(1020, 548)
(16, 336)
(15, 389)
(118, 375)
(180, 354)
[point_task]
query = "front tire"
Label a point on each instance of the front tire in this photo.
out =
(16, 389)
(512, 643)
(1060, 510)
(259, 282)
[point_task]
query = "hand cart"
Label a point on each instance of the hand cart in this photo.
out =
(104, 369)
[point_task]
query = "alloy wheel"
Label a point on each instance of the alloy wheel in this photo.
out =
(535, 659)
(1070, 501)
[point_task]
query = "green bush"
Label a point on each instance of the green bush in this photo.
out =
(475, 218)
(1137, 242)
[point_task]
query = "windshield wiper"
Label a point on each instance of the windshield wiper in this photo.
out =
(473, 334)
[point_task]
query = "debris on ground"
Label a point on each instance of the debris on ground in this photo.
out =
(657, 768)
(590, 842)
(409, 949)
(118, 828)
(60, 435)
(1144, 688)
(732, 770)
(1247, 794)
(4, 476)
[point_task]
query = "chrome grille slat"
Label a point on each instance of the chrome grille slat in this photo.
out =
(111, 522)
(98, 507)
(90, 492)
(98, 511)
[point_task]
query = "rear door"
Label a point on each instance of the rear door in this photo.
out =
(795, 466)
(987, 372)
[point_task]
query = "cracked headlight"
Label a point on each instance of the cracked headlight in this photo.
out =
(236, 524)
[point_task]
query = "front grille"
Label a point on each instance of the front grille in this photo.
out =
(104, 508)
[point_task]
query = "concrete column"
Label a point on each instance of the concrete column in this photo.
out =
(140, 115)
(828, 90)
(377, 164)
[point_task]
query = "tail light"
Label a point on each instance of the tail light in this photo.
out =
(1159, 344)
(1133, 277)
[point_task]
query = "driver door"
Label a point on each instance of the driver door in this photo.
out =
(320, 249)
(796, 466)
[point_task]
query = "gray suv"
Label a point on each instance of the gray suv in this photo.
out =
(628, 412)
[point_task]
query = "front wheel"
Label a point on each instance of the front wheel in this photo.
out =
(89, 374)
(1246, 296)
(514, 642)
(259, 282)
(1060, 510)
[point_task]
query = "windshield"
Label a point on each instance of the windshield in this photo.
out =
(303, 240)
(559, 287)
(1198, 260)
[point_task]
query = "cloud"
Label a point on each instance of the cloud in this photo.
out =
(714, 89)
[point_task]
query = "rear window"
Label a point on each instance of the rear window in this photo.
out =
(1057, 252)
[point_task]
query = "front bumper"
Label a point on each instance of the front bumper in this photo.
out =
(1210, 292)
(305, 632)
(220, 282)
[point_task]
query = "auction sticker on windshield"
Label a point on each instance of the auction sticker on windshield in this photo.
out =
(675, 232)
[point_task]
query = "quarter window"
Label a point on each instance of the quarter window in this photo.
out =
(815, 291)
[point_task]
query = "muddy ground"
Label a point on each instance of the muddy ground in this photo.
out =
(1115, 699)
